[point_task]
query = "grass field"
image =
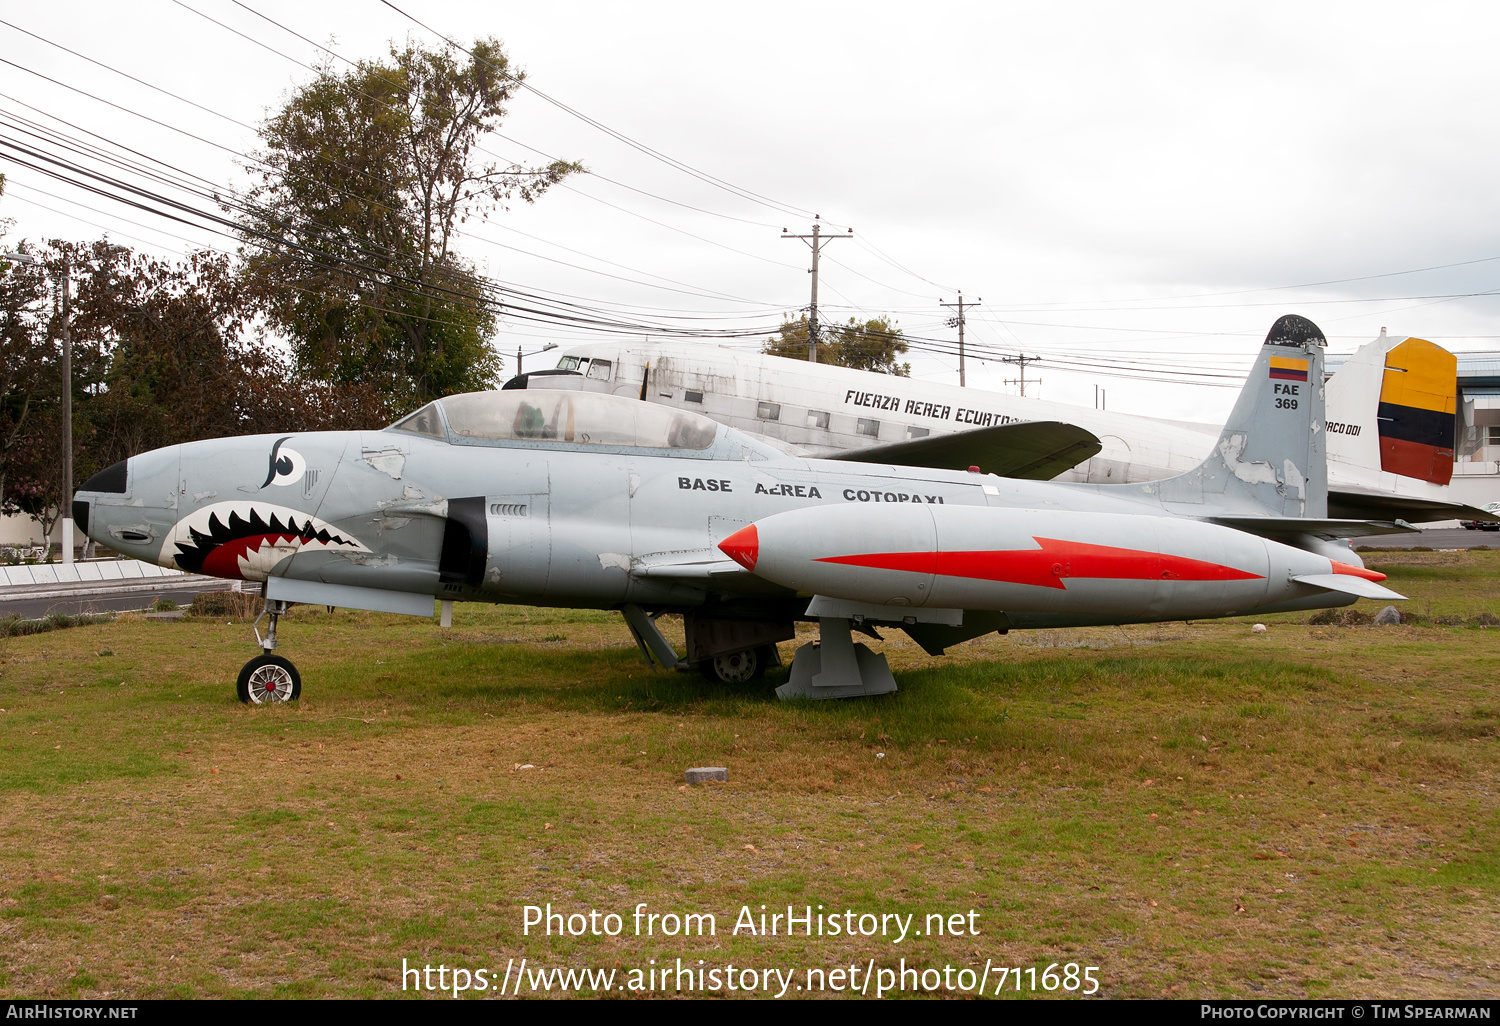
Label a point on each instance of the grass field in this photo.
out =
(1193, 808)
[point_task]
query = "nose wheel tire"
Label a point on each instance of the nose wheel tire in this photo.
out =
(736, 667)
(268, 679)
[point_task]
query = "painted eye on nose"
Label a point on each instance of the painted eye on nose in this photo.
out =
(287, 466)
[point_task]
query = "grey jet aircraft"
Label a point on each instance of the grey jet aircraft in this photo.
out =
(573, 499)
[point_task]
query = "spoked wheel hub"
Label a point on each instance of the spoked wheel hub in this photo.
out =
(269, 679)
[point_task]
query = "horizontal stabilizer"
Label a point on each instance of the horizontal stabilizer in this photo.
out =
(1349, 585)
(1036, 450)
(1329, 530)
(1377, 506)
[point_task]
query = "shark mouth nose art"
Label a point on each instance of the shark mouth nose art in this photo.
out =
(247, 539)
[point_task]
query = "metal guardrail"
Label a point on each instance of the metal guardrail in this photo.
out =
(98, 577)
(96, 570)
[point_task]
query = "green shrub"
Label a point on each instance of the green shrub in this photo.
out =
(15, 627)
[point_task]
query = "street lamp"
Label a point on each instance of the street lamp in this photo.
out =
(519, 354)
(67, 399)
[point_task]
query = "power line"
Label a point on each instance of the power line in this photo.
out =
(216, 196)
(138, 81)
(308, 67)
(518, 79)
(591, 270)
(143, 198)
(688, 169)
(256, 160)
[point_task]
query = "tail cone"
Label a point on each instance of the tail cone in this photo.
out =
(1356, 571)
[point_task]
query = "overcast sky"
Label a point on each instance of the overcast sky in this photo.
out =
(1083, 168)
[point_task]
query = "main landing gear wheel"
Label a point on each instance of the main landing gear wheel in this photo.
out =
(267, 679)
(737, 667)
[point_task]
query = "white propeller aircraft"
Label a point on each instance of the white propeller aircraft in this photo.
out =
(1390, 418)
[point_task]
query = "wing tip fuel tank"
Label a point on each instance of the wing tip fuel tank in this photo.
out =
(1016, 560)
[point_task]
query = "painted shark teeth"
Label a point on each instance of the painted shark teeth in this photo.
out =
(246, 539)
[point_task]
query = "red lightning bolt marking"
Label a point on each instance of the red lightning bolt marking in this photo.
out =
(1048, 566)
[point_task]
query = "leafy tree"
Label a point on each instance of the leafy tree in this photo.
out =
(163, 352)
(870, 345)
(35, 469)
(178, 361)
(25, 362)
(367, 174)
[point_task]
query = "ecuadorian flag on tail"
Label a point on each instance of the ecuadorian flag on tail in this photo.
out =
(1418, 402)
(1286, 368)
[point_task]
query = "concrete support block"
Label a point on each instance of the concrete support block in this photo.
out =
(703, 774)
(837, 667)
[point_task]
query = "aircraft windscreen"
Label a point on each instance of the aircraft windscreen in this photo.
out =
(425, 421)
(579, 417)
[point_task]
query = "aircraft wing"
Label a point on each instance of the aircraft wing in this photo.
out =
(691, 565)
(697, 569)
(1379, 506)
(1034, 450)
(1329, 530)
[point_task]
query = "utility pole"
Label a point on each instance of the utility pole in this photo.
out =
(817, 240)
(67, 416)
(958, 322)
(1021, 360)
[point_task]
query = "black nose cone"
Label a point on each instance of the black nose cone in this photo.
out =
(81, 515)
(1292, 330)
(110, 479)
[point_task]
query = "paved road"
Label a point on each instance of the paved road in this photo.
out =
(1446, 538)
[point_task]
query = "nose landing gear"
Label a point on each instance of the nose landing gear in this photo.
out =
(269, 678)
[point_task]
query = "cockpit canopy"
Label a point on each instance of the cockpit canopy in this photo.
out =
(580, 418)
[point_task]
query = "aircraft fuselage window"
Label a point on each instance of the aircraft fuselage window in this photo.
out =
(692, 397)
(425, 421)
(768, 411)
(568, 363)
(600, 369)
(917, 432)
(868, 427)
(583, 418)
(817, 419)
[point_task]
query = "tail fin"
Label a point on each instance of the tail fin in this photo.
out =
(1391, 409)
(1270, 457)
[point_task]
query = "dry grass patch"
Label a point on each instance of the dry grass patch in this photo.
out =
(1195, 809)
